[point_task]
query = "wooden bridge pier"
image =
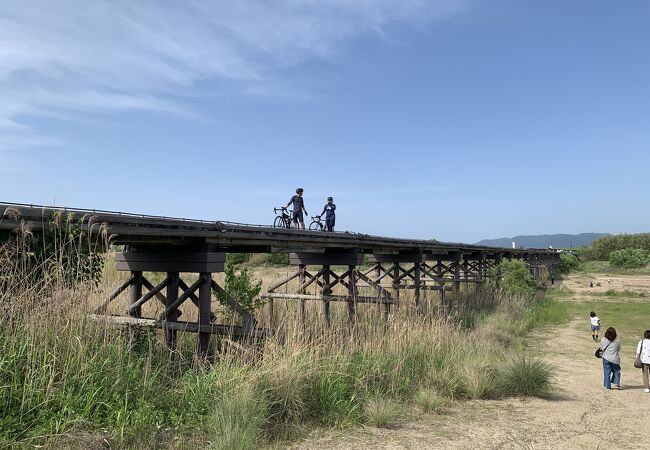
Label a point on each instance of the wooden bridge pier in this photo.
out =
(325, 280)
(175, 262)
(402, 271)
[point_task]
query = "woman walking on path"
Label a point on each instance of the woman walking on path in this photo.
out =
(643, 353)
(611, 348)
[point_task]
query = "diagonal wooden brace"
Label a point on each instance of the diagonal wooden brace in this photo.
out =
(146, 297)
(101, 308)
(179, 301)
(159, 295)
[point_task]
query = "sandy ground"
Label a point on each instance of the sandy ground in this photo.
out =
(638, 287)
(581, 415)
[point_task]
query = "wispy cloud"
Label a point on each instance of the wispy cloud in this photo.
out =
(71, 57)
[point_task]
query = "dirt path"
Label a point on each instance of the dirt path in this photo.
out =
(581, 415)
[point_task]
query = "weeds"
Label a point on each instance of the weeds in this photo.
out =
(527, 377)
(429, 401)
(380, 412)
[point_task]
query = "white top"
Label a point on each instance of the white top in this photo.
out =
(594, 321)
(645, 355)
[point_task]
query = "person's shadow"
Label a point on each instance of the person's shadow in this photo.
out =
(633, 387)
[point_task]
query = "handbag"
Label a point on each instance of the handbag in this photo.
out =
(637, 362)
(600, 351)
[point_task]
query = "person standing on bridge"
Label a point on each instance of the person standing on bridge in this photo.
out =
(298, 208)
(330, 214)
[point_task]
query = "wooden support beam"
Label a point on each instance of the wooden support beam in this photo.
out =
(101, 308)
(396, 283)
(137, 304)
(192, 327)
(171, 297)
(379, 289)
(159, 295)
(311, 280)
(427, 287)
(172, 308)
(205, 313)
(194, 298)
(326, 291)
(330, 298)
(417, 282)
(286, 280)
(301, 302)
(135, 292)
(352, 294)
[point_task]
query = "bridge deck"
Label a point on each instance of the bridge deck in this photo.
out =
(135, 229)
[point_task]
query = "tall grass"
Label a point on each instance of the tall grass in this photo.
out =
(63, 375)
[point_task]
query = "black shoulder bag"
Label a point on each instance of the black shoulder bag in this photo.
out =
(600, 351)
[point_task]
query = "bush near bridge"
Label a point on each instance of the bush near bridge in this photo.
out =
(568, 262)
(629, 258)
(514, 278)
(243, 287)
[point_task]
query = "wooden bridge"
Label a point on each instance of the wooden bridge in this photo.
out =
(179, 246)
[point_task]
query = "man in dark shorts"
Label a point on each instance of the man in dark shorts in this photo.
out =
(330, 214)
(298, 208)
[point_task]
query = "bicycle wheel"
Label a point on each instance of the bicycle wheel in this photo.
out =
(315, 226)
(279, 222)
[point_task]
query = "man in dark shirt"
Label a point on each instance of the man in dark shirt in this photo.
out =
(330, 215)
(298, 208)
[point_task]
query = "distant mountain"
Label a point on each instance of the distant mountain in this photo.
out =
(545, 240)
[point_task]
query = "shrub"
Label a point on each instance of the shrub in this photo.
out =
(516, 279)
(568, 263)
(242, 287)
(526, 377)
(629, 258)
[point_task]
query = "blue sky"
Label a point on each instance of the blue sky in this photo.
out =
(455, 120)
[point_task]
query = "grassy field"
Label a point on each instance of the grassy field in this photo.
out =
(67, 382)
(603, 267)
(629, 320)
(620, 297)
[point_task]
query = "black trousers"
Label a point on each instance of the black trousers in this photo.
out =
(329, 223)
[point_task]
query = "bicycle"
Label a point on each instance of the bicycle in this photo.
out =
(282, 220)
(316, 224)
